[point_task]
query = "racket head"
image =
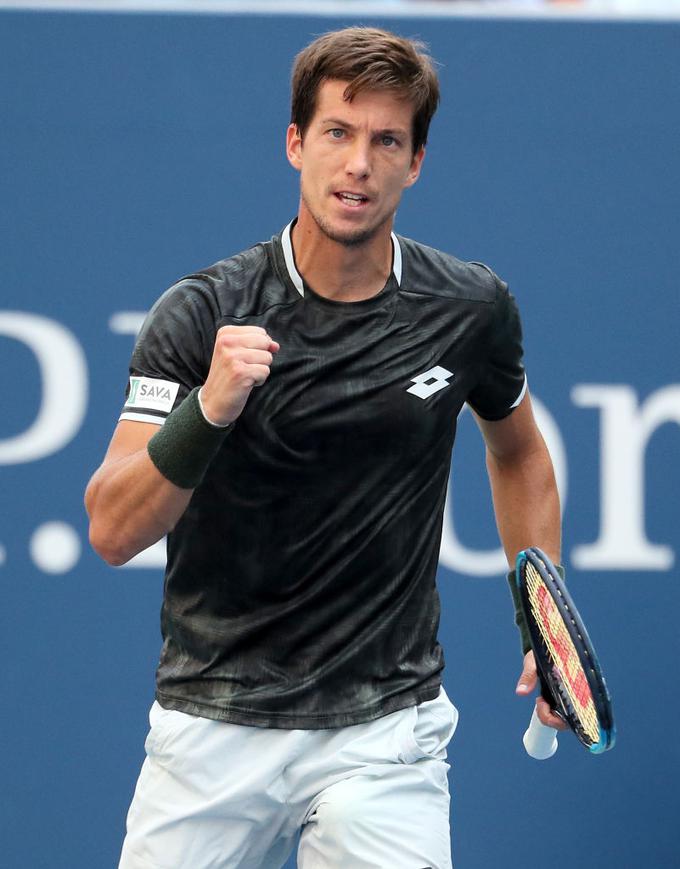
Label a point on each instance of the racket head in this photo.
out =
(568, 666)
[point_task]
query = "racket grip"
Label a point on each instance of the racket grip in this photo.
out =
(540, 740)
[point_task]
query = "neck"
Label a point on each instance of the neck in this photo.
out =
(344, 273)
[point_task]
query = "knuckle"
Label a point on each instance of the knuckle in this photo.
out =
(239, 368)
(224, 342)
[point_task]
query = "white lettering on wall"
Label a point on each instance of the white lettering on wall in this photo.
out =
(64, 387)
(473, 562)
(127, 322)
(625, 429)
(152, 557)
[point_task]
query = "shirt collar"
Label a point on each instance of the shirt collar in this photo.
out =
(295, 275)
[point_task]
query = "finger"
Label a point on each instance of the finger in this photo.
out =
(255, 357)
(257, 342)
(246, 336)
(527, 681)
(241, 330)
(259, 374)
(548, 716)
(253, 340)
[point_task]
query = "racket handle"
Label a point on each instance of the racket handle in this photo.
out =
(540, 740)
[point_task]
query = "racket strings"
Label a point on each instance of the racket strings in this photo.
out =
(563, 654)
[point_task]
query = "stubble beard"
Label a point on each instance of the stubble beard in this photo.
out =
(351, 238)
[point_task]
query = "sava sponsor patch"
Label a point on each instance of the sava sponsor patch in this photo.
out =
(147, 393)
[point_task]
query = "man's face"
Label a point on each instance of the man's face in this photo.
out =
(355, 160)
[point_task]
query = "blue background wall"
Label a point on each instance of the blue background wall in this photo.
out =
(134, 149)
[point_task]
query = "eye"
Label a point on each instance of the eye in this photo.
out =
(389, 141)
(336, 133)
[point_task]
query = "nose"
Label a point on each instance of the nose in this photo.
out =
(359, 159)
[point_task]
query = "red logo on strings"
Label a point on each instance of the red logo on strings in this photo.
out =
(550, 617)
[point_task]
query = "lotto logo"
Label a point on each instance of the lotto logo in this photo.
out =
(429, 382)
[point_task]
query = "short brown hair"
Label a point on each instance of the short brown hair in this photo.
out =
(367, 59)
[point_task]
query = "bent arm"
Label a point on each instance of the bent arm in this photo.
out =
(525, 498)
(131, 505)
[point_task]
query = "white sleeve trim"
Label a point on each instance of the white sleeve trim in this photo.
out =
(519, 398)
(142, 417)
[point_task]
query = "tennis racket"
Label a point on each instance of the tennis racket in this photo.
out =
(570, 674)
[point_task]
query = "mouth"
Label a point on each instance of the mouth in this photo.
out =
(353, 200)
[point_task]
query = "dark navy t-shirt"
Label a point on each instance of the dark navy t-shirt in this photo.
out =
(300, 583)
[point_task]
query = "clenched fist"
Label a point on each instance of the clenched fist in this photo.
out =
(241, 361)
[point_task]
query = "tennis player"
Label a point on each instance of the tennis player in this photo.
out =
(289, 422)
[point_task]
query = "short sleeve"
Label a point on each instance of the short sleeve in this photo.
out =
(503, 382)
(172, 353)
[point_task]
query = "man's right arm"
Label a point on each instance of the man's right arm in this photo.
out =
(131, 504)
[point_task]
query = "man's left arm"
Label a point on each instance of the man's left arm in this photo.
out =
(526, 504)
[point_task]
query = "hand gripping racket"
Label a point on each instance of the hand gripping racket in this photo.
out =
(570, 674)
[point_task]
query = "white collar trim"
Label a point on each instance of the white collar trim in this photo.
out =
(287, 245)
(295, 275)
(396, 258)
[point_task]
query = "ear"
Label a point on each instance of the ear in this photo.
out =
(416, 163)
(294, 146)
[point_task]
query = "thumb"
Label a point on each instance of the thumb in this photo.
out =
(527, 681)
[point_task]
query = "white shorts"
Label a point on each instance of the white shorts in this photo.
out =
(213, 795)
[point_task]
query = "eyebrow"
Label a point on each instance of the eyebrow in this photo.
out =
(388, 131)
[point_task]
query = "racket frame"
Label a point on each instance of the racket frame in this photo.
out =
(582, 643)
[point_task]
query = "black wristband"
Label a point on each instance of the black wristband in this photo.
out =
(186, 443)
(520, 621)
